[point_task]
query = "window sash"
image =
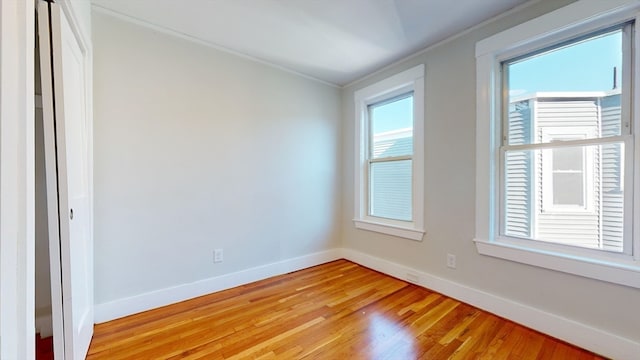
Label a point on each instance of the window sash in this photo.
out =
(377, 160)
(628, 30)
(369, 119)
(569, 143)
(370, 195)
(627, 179)
(391, 158)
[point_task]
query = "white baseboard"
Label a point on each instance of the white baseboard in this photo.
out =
(44, 325)
(587, 337)
(154, 299)
(584, 336)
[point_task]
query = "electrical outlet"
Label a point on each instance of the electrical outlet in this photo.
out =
(451, 261)
(217, 256)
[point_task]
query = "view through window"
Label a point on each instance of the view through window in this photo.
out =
(390, 158)
(562, 155)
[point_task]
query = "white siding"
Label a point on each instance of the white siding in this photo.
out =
(518, 188)
(600, 225)
(397, 146)
(580, 228)
(390, 181)
(612, 195)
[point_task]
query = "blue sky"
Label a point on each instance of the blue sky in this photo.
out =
(587, 66)
(392, 116)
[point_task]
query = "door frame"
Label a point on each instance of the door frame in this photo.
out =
(17, 167)
(17, 180)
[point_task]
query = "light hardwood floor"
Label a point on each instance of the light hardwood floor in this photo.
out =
(338, 310)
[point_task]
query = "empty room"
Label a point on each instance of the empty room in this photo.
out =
(306, 179)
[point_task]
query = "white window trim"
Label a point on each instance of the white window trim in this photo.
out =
(578, 18)
(406, 81)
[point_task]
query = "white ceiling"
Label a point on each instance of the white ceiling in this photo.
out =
(336, 41)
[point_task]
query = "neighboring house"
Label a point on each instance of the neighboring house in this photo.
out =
(391, 181)
(572, 195)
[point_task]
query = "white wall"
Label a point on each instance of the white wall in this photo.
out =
(198, 149)
(450, 100)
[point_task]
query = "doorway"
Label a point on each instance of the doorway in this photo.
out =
(63, 154)
(43, 319)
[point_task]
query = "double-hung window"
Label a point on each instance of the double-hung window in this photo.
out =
(389, 155)
(557, 182)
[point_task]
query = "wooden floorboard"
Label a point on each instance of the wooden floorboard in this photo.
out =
(338, 310)
(44, 348)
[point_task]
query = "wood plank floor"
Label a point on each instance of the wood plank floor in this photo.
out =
(44, 348)
(338, 310)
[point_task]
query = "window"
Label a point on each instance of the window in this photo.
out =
(568, 178)
(555, 139)
(568, 173)
(389, 155)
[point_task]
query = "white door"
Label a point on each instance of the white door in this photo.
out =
(65, 116)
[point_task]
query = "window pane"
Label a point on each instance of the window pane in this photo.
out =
(566, 207)
(568, 176)
(576, 84)
(390, 190)
(392, 127)
(568, 159)
(568, 189)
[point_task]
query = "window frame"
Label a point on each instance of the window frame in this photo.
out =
(408, 81)
(572, 21)
(588, 158)
(371, 159)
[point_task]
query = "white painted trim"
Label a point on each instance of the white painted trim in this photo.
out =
(83, 36)
(635, 150)
(51, 179)
(619, 272)
(574, 332)
(576, 19)
(17, 179)
(193, 39)
(579, 17)
(158, 298)
(371, 93)
(408, 80)
(407, 233)
(571, 331)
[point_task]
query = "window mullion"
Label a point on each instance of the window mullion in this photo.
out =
(627, 68)
(504, 102)
(567, 143)
(390, 158)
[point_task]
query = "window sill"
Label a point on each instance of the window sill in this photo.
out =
(623, 273)
(403, 232)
